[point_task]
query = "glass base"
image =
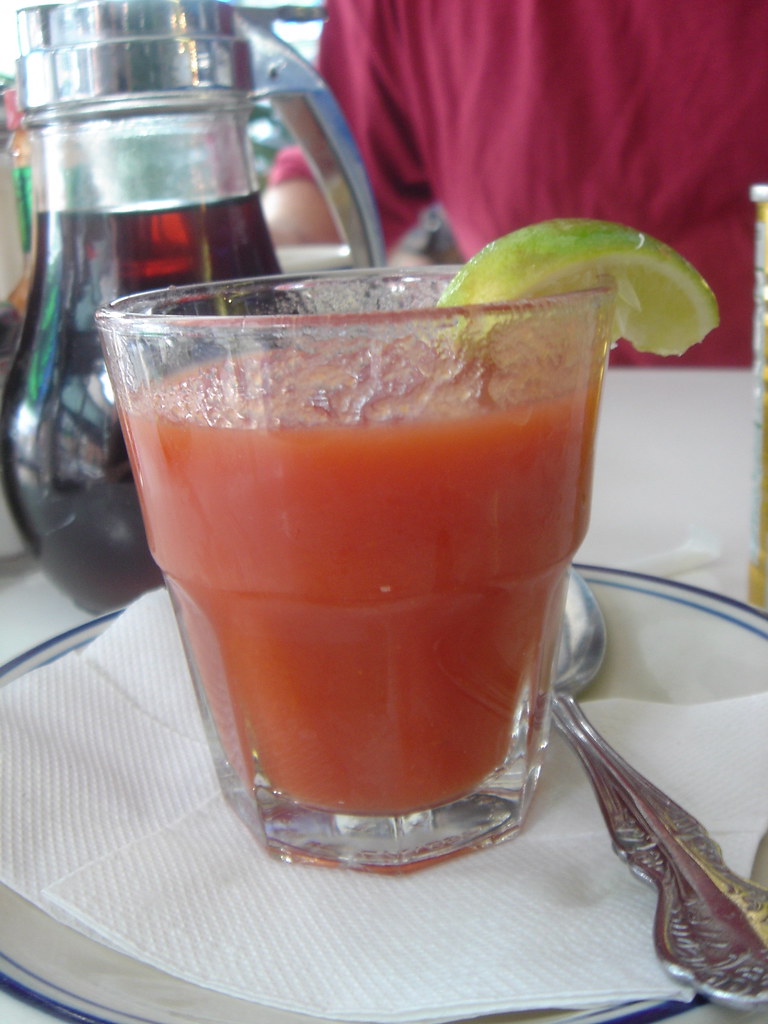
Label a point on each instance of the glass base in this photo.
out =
(295, 833)
(387, 843)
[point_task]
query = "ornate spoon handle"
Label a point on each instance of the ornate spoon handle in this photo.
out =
(711, 926)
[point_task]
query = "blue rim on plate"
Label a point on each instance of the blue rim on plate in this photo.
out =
(74, 1001)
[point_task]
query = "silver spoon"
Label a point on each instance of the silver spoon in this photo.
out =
(711, 926)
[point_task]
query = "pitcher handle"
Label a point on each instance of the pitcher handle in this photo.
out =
(309, 110)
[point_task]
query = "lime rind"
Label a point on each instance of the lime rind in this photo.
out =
(663, 304)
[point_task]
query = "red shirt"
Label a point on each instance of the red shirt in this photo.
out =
(647, 112)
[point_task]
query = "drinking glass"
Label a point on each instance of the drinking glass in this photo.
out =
(365, 507)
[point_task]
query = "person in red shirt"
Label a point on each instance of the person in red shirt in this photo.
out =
(651, 113)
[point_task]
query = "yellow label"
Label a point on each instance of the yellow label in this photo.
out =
(758, 556)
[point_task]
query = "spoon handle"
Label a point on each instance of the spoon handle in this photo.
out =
(711, 926)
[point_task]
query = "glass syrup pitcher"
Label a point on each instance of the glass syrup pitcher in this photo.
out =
(143, 177)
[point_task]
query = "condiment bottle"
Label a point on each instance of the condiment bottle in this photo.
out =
(13, 243)
(143, 177)
(21, 175)
(758, 557)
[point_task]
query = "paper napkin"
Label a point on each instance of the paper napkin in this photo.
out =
(112, 822)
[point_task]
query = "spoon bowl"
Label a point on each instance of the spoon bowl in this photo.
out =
(583, 638)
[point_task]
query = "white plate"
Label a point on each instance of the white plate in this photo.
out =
(667, 641)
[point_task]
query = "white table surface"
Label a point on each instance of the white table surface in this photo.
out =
(673, 484)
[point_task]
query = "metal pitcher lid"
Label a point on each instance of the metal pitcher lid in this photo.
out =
(110, 49)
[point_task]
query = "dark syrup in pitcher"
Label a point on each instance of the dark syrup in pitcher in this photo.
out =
(65, 463)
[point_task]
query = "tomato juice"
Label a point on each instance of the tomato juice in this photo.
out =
(372, 607)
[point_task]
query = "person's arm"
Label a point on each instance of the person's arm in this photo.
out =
(297, 214)
(359, 59)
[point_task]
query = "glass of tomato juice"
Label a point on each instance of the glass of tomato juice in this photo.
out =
(365, 508)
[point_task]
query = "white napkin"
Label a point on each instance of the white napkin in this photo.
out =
(112, 822)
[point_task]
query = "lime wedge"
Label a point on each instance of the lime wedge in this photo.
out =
(663, 304)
